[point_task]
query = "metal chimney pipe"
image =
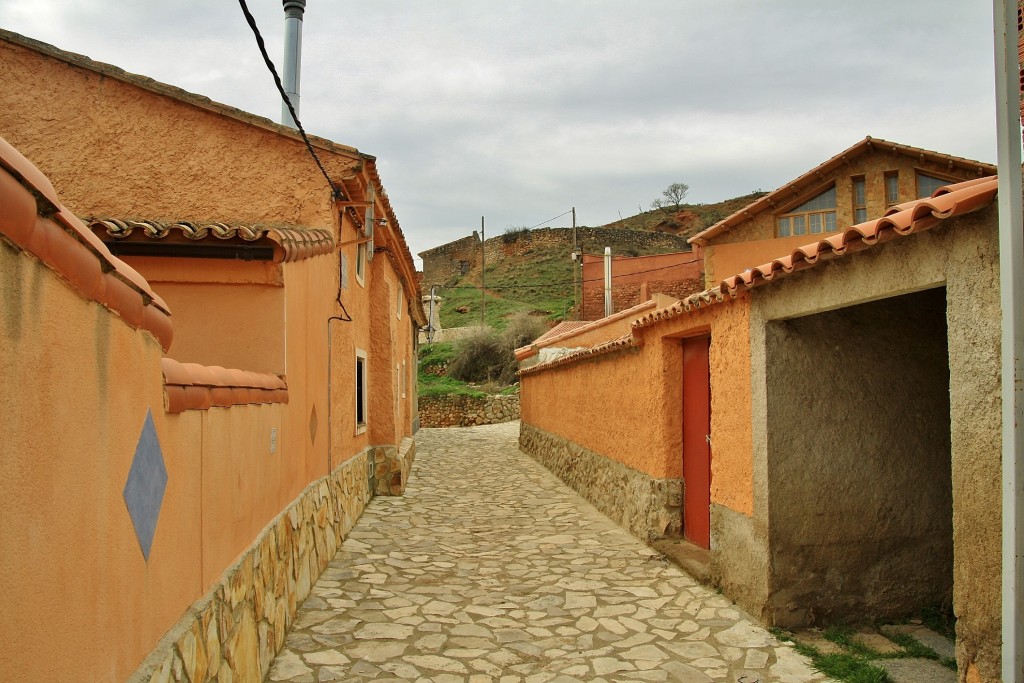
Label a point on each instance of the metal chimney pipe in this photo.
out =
(293, 10)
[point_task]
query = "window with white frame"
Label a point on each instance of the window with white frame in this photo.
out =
(360, 262)
(813, 216)
(361, 391)
(400, 303)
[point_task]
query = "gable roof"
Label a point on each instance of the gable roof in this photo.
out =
(814, 177)
(900, 221)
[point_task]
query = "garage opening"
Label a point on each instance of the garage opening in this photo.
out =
(860, 509)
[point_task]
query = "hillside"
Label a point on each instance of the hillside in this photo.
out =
(689, 220)
(530, 271)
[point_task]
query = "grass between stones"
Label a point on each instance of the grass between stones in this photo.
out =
(853, 664)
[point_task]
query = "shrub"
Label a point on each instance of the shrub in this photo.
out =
(478, 358)
(487, 357)
(513, 234)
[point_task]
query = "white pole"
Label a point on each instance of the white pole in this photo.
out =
(1011, 282)
(607, 281)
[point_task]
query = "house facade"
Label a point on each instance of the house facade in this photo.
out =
(635, 278)
(826, 425)
(867, 180)
(211, 352)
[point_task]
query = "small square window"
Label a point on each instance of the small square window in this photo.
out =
(784, 227)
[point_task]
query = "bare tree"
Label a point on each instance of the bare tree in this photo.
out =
(672, 196)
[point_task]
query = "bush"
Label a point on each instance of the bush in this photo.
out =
(512, 235)
(478, 358)
(487, 357)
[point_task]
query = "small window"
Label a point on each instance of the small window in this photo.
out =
(361, 391)
(860, 204)
(344, 272)
(892, 187)
(403, 380)
(360, 262)
(814, 216)
(927, 184)
(400, 304)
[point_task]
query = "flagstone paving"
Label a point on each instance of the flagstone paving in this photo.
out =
(490, 569)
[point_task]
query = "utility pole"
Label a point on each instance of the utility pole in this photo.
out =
(483, 267)
(1011, 281)
(575, 259)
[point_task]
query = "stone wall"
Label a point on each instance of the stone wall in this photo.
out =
(467, 411)
(234, 631)
(442, 263)
(650, 508)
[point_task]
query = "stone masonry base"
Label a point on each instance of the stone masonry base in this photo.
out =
(232, 634)
(391, 467)
(650, 508)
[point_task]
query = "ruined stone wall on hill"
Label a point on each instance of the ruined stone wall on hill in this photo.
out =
(443, 263)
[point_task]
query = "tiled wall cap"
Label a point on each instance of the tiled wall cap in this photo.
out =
(61, 241)
(192, 386)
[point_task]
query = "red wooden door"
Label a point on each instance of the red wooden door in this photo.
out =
(697, 441)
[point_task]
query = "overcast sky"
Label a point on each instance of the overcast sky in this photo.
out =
(518, 111)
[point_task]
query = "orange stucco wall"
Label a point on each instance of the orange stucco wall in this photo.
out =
(726, 260)
(67, 542)
(142, 155)
(92, 608)
(626, 406)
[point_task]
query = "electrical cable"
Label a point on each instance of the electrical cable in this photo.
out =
(551, 219)
(335, 191)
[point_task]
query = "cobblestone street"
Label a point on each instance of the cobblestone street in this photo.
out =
(490, 569)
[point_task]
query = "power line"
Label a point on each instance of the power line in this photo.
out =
(335, 192)
(551, 219)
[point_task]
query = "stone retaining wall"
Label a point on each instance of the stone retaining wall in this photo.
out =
(467, 411)
(650, 508)
(236, 629)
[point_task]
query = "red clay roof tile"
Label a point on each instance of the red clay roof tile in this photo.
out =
(191, 386)
(291, 244)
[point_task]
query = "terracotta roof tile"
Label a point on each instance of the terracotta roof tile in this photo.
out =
(292, 244)
(35, 220)
(813, 177)
(623, 343)
(948, 201)
(190, 386)
(551, 338)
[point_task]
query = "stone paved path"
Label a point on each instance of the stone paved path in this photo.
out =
(490, 569)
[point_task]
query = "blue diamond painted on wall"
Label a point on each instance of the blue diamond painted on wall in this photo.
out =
(144, 490)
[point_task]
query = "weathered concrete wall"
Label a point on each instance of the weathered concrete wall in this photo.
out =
(651, 508)
(962, 256)
(466, 411)
(861, 511)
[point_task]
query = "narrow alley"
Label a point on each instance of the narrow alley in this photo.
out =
(490, 569)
